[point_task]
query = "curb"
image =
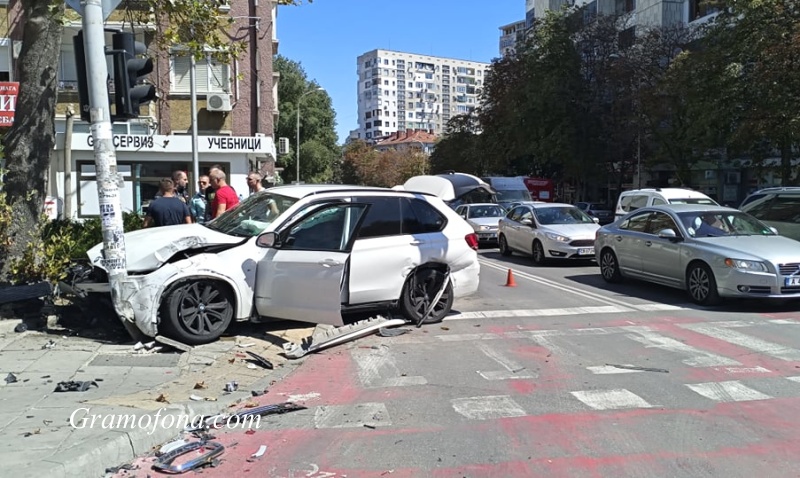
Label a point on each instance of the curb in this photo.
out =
(115, 447)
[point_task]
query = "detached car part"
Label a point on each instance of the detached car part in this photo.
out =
(212, 451)
(340, 335)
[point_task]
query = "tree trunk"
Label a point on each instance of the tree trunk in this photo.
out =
(30, 142)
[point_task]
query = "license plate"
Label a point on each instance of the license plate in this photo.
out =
(790, 281)
(586, 251)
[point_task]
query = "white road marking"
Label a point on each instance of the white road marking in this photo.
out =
(698, 358)
(493, 314)
(378, 368)
(513, 370)
(303, 398)
(611, 399)
(794, 379)
(755, 344)
(549, 344)
(352, 416)
(610, 369)
(759, 369)
(784, 321)
(487, 408)
(732, 391)
(656, 307)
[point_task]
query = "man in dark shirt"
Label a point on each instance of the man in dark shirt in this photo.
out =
(167, 210)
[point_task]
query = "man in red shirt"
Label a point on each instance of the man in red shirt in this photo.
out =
(224, 196)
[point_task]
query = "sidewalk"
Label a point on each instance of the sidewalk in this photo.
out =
(36, 437)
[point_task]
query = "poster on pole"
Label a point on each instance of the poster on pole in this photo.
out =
(8, 102)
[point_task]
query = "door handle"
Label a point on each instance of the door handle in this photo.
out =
(619, 238)
(648, 243)
(329, 263)
(416, 243)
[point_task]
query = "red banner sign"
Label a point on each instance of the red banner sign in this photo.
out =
(8, 102)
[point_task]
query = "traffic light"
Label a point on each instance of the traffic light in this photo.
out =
(83, 83)
(129, 73)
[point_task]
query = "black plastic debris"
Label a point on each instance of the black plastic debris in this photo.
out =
(21, 327)
(386, 332)
(75, 386)
(635, 367)
(270, 410)
(11, 378)
(257, 393)
(259, 360)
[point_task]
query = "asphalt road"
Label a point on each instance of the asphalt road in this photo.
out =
(562, 375)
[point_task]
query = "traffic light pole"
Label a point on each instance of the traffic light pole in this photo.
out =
(105, 157)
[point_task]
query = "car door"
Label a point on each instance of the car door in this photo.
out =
(382, 255)
(661, 258)
(629, 242)
(509, 225)
(518, 236)
(301, 277)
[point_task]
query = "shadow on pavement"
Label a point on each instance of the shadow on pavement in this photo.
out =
(520, 260)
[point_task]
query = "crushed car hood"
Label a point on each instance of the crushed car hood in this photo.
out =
(148, 249)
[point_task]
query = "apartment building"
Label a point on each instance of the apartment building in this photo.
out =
(400, 91)
(644, 13)
(510, 35)
(237, 108)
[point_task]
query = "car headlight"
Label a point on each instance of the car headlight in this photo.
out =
(557, 237)
(746, 265)
(485, 228)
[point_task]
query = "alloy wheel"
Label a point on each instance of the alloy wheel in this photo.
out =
(699, 284)
(203, 309)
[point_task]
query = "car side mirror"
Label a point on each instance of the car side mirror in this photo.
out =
(668, 234)
(526, 222)
(775, 231)
(596, 220)
(269, 240)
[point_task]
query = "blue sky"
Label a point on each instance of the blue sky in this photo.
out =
(327, 36)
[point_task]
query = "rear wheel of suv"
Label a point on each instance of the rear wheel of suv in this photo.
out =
(418, 293)
(197, 312)
(503, 246)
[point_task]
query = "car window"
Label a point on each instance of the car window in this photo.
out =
(328, 229)
(660, 221)
(383, 218)
(784, 208)
(759, 207)
(636, 223)
(526, 213)
(250, 217)
(562, 215)
(515, 213)
(485, 211)
(583, 206)
(658, 201)
(751, 198)
(705, 201)
(637, 202)
(597, 207)
(419, 217)
(723, 223)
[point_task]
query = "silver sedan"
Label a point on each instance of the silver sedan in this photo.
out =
(710, 251)
(483, 217)
(547, 231)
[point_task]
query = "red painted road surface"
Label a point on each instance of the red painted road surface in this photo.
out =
(730, 438)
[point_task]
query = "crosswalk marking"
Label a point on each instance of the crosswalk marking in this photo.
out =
(494, 314)
(732, 391)
(743, 340)
(610, 370)
(611, 399)
(698, 358)
(352, 416)
(794, 379)
(378, 368)
(513, 370)
(487, 408)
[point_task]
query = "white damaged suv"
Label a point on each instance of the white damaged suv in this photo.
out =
(303, 252)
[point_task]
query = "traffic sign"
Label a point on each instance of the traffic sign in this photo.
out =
(108, 6)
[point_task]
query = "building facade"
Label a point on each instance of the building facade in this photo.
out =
(237, 108)
(398, 91)
(510, 35)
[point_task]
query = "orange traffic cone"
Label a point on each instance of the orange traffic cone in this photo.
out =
(510, 282)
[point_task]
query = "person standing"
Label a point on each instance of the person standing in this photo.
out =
(181, 181)
(254, 183)
(225, 197)
(197, 205)
(210, 192)
(167, 210)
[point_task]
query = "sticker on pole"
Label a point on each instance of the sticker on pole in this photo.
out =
(107, 214)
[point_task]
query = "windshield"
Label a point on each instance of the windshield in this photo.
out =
(508, 195)
(598, 207)
(562, 215)
(704, 201)
(252, 215)
(716, 224)
(486, 211)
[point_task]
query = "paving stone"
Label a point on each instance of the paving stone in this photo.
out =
(58, 362)
(18, 360)
(136, 360)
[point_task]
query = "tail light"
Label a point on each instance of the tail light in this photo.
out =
(472, 240)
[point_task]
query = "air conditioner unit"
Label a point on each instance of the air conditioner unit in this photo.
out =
(219, 102)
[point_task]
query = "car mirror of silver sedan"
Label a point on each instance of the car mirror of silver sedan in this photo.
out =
(774, 231)
(268, 239)
(668, 234)
(526, 222)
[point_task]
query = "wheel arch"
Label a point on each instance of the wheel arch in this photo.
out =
(690, 264)
(439, 266)
(182, 280)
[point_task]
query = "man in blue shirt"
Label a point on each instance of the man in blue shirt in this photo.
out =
(167, 210)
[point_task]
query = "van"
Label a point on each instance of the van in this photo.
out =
(776, 207)
(509, 189)
(632, 200)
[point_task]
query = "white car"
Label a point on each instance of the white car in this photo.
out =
(302, 252)
(548, 231)
(484, 219)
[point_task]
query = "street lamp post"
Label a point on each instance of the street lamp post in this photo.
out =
(297, 153)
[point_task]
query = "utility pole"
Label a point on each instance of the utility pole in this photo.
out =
(105, 156)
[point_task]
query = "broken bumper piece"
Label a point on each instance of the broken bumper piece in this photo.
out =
(211, 450)
(339, 335)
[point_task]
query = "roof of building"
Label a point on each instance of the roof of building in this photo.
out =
(407, 136)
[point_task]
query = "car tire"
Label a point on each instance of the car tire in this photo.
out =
(609, 267)
(539, 256)
(419, 290)
(701, 285)
(503, 246)
(197, 312)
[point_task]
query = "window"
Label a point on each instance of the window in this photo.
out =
(660, 221)
(420, 217)
(636, 223)
(428, 76)
(383, 218)
(785, 208)
(211, 76)
(658, 201)
(418, 84)
(632, 202)
(329, 229)
(701, 8)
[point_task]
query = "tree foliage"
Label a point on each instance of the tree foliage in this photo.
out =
(363, 165)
